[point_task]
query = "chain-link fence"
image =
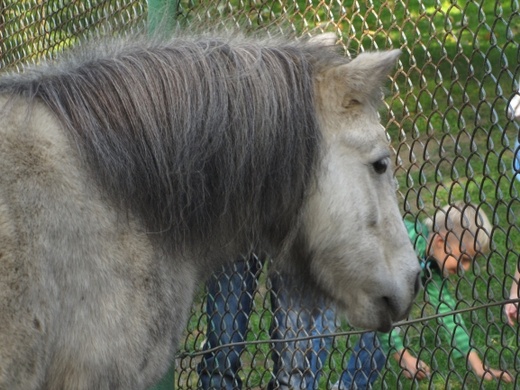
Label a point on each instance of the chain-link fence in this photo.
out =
(446, 117)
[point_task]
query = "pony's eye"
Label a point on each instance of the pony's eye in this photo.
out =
(381, 165)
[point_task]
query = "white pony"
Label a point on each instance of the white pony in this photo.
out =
(129, 172)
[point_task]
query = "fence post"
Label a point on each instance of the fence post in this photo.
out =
(162, 15)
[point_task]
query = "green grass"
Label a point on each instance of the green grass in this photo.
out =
(33, 29)
(444, 114)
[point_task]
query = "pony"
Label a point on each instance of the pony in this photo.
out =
(131, 169)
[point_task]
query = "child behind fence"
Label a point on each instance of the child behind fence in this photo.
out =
(445, 245)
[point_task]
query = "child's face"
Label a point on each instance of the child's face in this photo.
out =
(450, 256)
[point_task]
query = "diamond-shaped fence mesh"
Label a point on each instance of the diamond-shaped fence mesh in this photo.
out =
(445, 115)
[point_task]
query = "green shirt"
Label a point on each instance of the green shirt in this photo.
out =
(436, 295)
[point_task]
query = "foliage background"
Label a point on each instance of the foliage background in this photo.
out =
(445, 116)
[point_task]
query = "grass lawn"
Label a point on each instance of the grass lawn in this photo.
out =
(445, 116)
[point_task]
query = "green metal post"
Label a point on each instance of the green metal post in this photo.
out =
(161, 16)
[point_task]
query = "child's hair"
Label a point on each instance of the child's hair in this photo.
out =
(466, 221)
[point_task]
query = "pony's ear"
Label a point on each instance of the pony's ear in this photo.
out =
(363, 77)
(326, 39)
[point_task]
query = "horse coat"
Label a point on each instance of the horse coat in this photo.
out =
(130, 170)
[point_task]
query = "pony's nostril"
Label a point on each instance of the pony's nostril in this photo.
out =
(394, 303)
(391, 305)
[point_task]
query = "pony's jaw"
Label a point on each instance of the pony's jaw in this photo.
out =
(370, 292)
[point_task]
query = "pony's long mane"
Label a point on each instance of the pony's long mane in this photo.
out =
(193, 135)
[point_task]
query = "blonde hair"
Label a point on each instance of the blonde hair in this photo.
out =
(466, 221)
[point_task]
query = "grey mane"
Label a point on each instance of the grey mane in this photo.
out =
(194, 136)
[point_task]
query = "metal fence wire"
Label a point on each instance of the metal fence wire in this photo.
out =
(445, 114)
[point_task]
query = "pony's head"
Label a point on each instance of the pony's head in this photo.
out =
(352, 232)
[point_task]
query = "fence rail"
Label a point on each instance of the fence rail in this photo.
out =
(445, 113)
